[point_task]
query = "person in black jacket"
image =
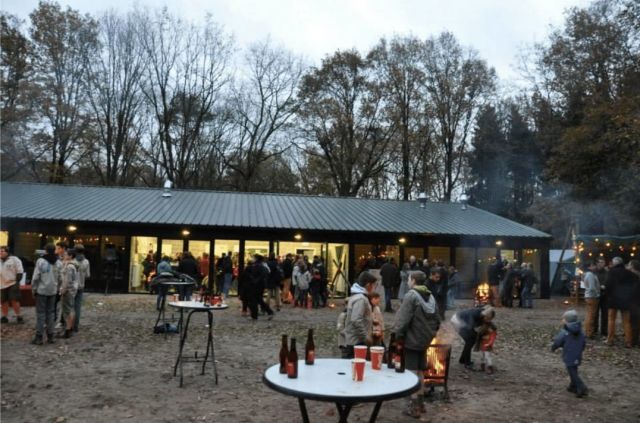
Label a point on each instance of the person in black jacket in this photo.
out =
(258, 279)
(287, 270)
(244, 282)
(468, 323)
(188, 266)
(620, 294)
(389, 274)
(438, 289)
(273, 282)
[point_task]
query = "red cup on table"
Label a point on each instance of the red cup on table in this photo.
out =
(357, 369)
(376, 357)
(360, 351)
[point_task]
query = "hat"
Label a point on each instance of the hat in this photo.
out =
(570, 316)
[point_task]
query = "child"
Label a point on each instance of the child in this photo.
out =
(377, 328)
(315, 286)
(68, 289)
(486, 338)
(572, 341)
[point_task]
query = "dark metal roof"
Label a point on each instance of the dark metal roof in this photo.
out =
(250, 210)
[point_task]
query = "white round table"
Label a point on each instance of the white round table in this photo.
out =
(329, 379)
(194, 307)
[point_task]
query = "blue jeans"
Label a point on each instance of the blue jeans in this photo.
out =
(387, 297)
(228, 279)
(162, 293)
(45, 314)
(576, 382)
(77, 306)
(527, 297)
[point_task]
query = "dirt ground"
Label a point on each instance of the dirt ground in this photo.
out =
(117, 370)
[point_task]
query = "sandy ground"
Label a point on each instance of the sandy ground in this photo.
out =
(117, 370)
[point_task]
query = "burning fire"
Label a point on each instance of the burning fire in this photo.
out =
(483, 294)
(435, 362)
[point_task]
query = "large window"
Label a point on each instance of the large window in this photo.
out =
(485, 256)
(252, 248)
(114, 265)
(439, 254)
(143, 249)
(417, 252)
(226, 247)
(373, 256)
(172, 248)
(308, 249)
(465, 265)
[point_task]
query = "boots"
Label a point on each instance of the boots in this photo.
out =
(37, 340)
(421, 407)
(50, 338)
(413, 409)
(67, 333)
(490, 370)
(482, 368)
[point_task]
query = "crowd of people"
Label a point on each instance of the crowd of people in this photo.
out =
(509, 281)
(57, 285)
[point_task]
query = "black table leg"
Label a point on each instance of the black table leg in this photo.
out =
(303, 410)
(376, 410)
(343, 411)
(183, 338)
(210, 347)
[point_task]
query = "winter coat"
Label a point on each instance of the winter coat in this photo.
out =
(528, 278)
(389, 274)
(287, 268)
(470, 320)
(572, 341)
(275, 274)
(417, 321)
(620, 287)
(69, 278)
(494, 272)
(359, 318)
(45, 276)
(258, 275)
(84, 270)
(404, 283)
(591, 285)
(303, 280)
(164, 267)
(438, 290)
(189, 266)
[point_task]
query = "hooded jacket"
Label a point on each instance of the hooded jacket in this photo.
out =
(417, 321)
(572, 341)
(45, 276)
(84, 270)
(69, 278)
(620, 288)
(359, 319)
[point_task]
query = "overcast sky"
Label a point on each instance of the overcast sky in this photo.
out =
(498, 29)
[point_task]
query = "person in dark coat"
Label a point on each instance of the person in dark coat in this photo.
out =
(188, 266)
(438, 289)
(494, 275)
(634, 267)
(389, 274)
(620, 287)
(509, 283)
(603, 306)
(273, 284)
(287, 270)
(244, 283)
(258, 277)
(468, 323)
(572, 341)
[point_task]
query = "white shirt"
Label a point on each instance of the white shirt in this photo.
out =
(9, 270)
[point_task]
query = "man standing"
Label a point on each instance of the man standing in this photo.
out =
(10, 275)
(413, 263)
(84, 272)
(44, 285)
(603, 307)
(227, 268)
(359, 320)
(389, 274)
(591, 298)
(438, 289)
(620, 289)
(494, 274)
(287, 270)
(258, 277)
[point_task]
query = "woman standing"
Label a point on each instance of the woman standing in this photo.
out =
(68, 289)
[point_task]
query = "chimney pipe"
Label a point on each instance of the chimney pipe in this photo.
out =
(422, 198)
(167, 189)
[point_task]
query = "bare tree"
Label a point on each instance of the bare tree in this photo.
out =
(113, 85)
(185, 77)
(61, 40)
(397, 63)
(342, 121)
(263, 105)
(457, 82)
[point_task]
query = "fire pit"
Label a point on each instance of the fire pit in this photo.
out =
(482, 295)
(437, 373)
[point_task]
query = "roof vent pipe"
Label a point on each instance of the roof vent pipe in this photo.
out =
(167, 189)
(422, 198)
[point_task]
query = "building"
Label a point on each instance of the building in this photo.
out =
(123, 227)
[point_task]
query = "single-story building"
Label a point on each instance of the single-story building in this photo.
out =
(126, 229)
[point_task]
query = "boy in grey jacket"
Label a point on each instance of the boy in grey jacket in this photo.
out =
(44, 285)
(359, 319)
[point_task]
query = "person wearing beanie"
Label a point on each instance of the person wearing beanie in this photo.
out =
(572, 341)
(359, 319)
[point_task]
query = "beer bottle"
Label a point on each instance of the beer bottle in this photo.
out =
(309, 349)
(292, 361)
(391, 351)
(284, 353)
(399, 358)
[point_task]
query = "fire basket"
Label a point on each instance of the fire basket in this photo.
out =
(437, 373)
(482, 295)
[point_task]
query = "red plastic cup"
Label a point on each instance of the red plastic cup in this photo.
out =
(357, 369)
(360, 351)
(376, 357)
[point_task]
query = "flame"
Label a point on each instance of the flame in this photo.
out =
(435, 362)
